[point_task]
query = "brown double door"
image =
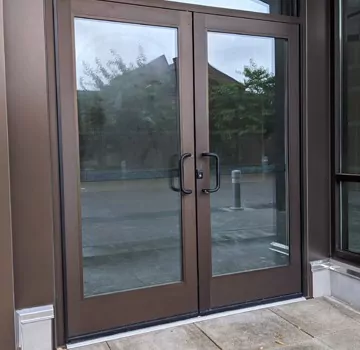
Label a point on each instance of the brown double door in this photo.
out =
(180, 163)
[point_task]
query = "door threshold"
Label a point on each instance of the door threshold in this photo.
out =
(180, 323)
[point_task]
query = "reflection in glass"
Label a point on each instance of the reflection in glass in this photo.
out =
(128, 135)
(282, 7)
(247, 99)
(350, 125)
(351, 217)
(351, 89)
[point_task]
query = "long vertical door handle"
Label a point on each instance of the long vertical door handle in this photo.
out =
(217, 164)
(181, 168)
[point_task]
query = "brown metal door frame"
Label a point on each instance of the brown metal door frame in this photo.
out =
(154, 303)
(118, 310)
(226, 290)
(212, 10)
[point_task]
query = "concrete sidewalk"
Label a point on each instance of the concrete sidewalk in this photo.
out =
(309, 325)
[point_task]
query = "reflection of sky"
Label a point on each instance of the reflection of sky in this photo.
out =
(245, 5)
(95, 39)
(227, 52)
(230, 53)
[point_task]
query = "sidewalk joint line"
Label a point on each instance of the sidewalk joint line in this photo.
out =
(207, 336)
(294, 324)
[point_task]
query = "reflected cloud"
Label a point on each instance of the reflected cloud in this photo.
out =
(244, 5)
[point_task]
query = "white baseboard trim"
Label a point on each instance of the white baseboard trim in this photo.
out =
(321, 285)
(34, 328)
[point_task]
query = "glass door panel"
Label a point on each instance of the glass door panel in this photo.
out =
(128, 115)
(247, 122)
(247, 132)
(126, 92)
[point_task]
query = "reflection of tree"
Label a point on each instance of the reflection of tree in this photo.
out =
(131, 111)
(92, 119)
(239, 109)
(140, 105)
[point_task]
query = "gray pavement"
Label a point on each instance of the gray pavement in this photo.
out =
(132, 235)
(131, 270)
(318, 324)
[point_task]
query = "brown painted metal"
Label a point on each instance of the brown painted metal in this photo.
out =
(122, 309)
(316, 130)
(230, 289)
(316, 112)
(162, 4)
(202, 145)
(59, 327)
(30, 156)
(212, 292)
(7, 334)
(50, 44)
(306, 268)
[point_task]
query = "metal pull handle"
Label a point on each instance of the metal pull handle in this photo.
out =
(181, 167)
(217, 164)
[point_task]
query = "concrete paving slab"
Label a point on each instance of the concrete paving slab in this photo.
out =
(345, 309)
(316, 317)
(102, 346)
(187, 337)
(348, 339)
(261, 329)
(334, 323)
(309, 345)
(131, 270)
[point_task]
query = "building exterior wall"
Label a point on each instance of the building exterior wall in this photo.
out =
(316, 129)
(34, 162)
(30, 152)
(7, 335)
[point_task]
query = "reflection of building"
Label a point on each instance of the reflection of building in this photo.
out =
(123, 111)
